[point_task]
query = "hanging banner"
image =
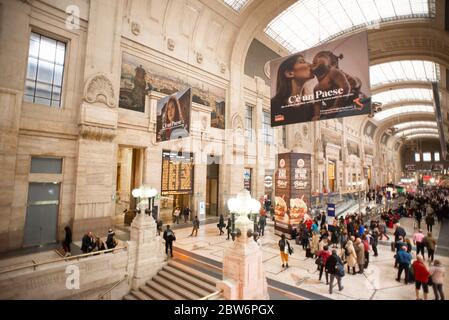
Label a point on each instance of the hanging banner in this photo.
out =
(292, 191)
(173, 116)
(325, 82)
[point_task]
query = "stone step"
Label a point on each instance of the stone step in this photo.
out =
(169, 285)
(190, 279)
(129, 297)
(164, 291)
(197, 274)
(183, 283)
(140, 295)
(155, 295)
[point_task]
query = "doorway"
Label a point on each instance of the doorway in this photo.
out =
(42, 214)
(213, 172)
(331, 176)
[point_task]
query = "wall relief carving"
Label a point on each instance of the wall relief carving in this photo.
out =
(100, 89)
(90, 132)
(237, 122)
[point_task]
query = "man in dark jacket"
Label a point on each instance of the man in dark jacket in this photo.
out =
(186, 213)
(67, 241)
(334, 264)
(87, 243)
(169, 237)
(399, 232)
(110, 240)
(262, 224)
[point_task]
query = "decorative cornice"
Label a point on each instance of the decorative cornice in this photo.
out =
(91, 132)
(100, 89)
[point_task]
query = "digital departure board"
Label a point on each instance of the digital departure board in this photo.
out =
(177, 172)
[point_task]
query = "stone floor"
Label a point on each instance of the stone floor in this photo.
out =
(378, 282)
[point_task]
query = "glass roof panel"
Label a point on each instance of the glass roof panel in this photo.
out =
(422, 135)
(403, 70)
(399, 95)
(402, 110)
(415, 124)
(237, 5)
(315, 21)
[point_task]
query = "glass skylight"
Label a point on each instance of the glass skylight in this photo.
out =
(402, 111)
(415, 131)
(237, 5)
(404, 70)
(403, 95)
(415, 124)
(309, 22)
(422, 135)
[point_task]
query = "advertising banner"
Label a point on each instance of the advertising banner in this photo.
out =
(292, 191)
(173, 116)
(325, 82)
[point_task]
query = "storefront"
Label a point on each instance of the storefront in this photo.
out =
(176, 184)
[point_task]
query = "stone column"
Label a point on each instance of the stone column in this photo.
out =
(243, 273)
(147, 255)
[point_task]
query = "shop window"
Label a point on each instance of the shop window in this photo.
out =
(45, 70)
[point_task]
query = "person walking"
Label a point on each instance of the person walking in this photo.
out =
(169, 237)
(335, 267)
(360, 252)
(418, 241)
(430, 243)
(351, 256)
(229, 227)
(375, 241)
(285, 250)
(196, 226)
(221, 224)
(383, 231)
(321, 261)
(421, 276)
(304, 237)
(67, 241)
(262, 224)
(437, 275)
(404, 259)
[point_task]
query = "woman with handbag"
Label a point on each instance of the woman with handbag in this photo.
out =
(285, 250)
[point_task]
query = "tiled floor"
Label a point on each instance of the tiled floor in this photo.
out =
(377, 283)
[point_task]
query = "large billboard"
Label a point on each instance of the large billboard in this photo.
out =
(292, 191)
(173, 116)
(324, 82)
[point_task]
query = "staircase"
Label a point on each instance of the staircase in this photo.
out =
(176, 281)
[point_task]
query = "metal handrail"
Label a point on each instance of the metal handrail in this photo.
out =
(35, 265)
(101, 296)
(213, 294)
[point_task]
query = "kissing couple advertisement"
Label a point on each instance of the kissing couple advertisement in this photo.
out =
(325, 82)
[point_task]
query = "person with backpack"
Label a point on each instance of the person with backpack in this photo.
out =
(285, 250)
(336, 269)
(321, 262)
(169, 237)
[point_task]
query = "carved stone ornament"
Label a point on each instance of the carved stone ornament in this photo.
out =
(199, 57)
(237, 122)
(90, 132)
(222, 67)
(305, 130)
(135, 28)
(298, 139)
(99, 89)
(171, 44)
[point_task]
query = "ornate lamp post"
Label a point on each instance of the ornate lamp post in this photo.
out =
(144, 191)
(243, 274)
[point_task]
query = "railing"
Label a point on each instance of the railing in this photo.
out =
(77, 257)
(213, 294)
(101, 296)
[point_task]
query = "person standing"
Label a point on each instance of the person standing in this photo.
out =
(315, 244)
(196, 226)
(351, 256)
(262, 224)
(321, 261)
(285, 250)
(87, 243)
(169, 237)
(404, 259)
(221, 224)
(418, 218)
(186, 213)
(421, 276)
(335, 267)
(176, 214)
(366, 244)
(430, 221)
(437, 275)
(418, 241)
(430, 245)
(67, 241)
(229, 227)
(360, 252)
(110, 240)
(304, 237)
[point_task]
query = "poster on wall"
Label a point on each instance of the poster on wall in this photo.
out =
(292, 191)
(325, 82)
(139, 76)
(173, 116)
